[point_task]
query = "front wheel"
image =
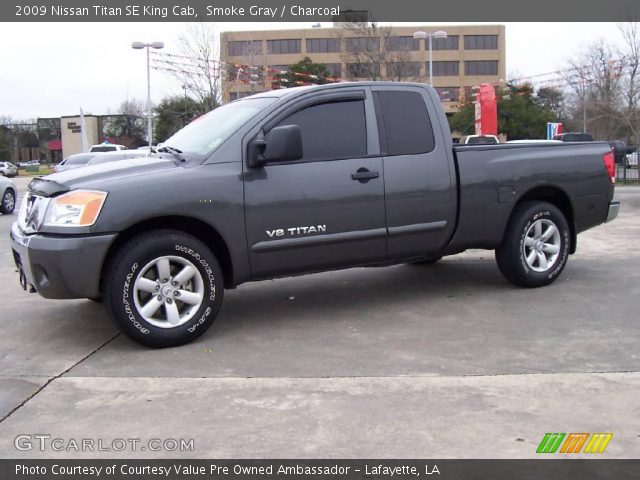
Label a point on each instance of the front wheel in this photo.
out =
(164, 288)
(535, 248)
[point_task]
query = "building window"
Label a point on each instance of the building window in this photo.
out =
(363, 44)
(323, 45)
(401, 70)
(236, 95)
(448, 94)
(481, 67)
(402, 44)
(445, 68)
(276, 47)
(363, 70)
(480, 42)
(449, 43)
(245, 47)
(330, 121)
(335, 69)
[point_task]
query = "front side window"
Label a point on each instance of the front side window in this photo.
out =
(206, 133)
(331, 130)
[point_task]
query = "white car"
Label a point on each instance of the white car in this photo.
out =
(481, 140)
(8, 196)
(107, 147)
(8, 169)
(73, 161)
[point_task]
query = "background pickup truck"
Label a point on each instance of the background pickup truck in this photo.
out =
(295, 181)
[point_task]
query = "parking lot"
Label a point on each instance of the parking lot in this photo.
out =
(403, 361)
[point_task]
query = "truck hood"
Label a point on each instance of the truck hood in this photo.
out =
(93, 175)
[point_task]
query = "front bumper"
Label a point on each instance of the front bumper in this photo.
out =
(60, 267)
(614, 208)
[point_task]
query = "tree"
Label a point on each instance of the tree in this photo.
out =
(631, 81)
(196, 67)
(303, 73)
(552, 100)
(5, 144)
(463, 121)
(595, 78)
(128, 126)
(369, 47)
(520, 114)
(173, 113)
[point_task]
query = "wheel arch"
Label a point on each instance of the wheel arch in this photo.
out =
(193, 226)
(555, 196)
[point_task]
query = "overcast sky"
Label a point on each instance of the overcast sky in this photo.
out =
(54, 69)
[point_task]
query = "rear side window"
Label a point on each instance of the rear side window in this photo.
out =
(331, 130)
(406, 123)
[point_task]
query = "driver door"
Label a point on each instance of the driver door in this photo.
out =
(325, 210)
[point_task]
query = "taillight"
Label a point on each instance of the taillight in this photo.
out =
(610, 164)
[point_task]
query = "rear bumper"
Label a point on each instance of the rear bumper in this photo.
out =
(614, 208)
(60, 267)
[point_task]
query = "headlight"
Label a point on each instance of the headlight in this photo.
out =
(78, 208)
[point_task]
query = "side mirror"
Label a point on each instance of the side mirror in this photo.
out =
(281, 144)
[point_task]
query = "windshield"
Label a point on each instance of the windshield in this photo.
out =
(208, 132)
(78, 159)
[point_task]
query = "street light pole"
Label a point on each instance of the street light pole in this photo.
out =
(431, 60)
(140, 46)
(430, 36)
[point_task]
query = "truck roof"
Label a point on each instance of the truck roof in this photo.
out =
(282, 92)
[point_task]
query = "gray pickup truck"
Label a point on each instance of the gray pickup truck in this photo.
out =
(297, 181)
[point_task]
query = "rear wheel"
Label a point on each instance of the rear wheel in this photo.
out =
(8, 202)
(535, 248)
(164, 288)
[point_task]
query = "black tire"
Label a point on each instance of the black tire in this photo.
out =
(124, 303)
(428, 261)
(514, 254)
(8, 202)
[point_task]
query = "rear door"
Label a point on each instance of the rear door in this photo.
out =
(327, 209)
(419, 174)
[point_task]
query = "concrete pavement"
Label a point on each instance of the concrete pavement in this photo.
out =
(402, 361)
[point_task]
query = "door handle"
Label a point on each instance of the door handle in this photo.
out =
(363, 175)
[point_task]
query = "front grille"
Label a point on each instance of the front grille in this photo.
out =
(32, 211)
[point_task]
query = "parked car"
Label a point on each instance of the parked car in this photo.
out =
(574, 137)
(8, 196)
(107, 147)
(481, 140)
(26, 164)
(8, 169)
(107, 157)
(270, 185)
(73, 161)
(619, 147)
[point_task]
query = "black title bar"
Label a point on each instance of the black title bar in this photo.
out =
(422, 11)
(547, 469)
